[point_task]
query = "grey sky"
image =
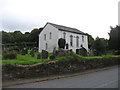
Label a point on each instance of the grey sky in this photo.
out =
(90, 16)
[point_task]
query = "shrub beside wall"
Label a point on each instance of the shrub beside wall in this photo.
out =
(9, 55)
(55, 67)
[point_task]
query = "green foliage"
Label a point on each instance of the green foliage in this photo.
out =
(34, 35)
(7, 37)
(18, 36)
(114, 40)
(9, 55)
(78, 57)
(100, 45)
(61, 43)
(27, 37)
(103, 56)
(90, 41)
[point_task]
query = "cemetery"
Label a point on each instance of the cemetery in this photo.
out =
(29, 57)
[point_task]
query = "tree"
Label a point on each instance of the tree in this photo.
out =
(114, 38)
(100, 45)
(27, 37)
(61, 43)
(18, 36)
(90, 41)
(34, 35)
(7, 37)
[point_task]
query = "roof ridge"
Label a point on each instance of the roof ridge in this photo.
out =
(62, 25)
(65, 28)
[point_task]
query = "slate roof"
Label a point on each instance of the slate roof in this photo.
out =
(69, 29)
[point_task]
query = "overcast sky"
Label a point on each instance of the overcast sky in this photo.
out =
(90, 16)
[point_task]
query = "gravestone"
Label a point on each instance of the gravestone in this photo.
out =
(39, 56)
(32, 53)
(23, 51)
(95, 53)
(52, 57)
(77, 51)
(54, 51)
(44, 54)
(83, 52)
(26, 51)
(67, 47)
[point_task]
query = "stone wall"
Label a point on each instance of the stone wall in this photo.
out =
(10, 72)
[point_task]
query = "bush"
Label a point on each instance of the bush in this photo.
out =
(9, 55)
(61, 43)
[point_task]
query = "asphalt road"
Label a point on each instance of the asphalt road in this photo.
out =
(101, 79)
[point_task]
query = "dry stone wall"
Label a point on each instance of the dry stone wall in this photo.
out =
(10, 72)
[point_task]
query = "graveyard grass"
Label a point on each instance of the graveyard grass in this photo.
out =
(25, 59)
(28, 60)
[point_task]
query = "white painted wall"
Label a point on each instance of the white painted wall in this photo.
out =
(74, 47)
(56, 34)
(51, 42)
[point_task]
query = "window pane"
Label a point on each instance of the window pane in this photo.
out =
(44, 36)
(83, 38)
(50, 35)
(64, 35)
(77, 41)
(71, 40)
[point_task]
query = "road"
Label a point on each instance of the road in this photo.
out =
(101, 79)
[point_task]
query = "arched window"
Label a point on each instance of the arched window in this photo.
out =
(44, 36)
(82, 38)
(50, 35)
(71, 40)
(77, 41)
(64, 35)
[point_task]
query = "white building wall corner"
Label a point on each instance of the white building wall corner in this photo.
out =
(51, 42)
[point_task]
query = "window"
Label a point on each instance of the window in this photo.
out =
(71, 40)
(77, 41)
(82, 38)
(64, 35)
(50, 35)
(46, 46)
(44, 36)
(81, 45)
